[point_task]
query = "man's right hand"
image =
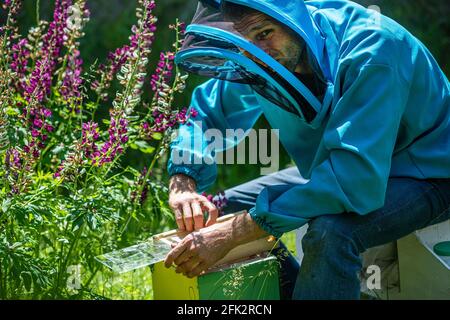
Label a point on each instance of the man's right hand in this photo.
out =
(188, 205)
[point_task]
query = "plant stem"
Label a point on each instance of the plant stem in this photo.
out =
(97, 104)
(38, 5)
(2, 287)
(5, 36)
(91, 277)
(141, 188)
(63, 266)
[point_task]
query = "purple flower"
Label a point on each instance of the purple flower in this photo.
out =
(38, 123)
(47, 113)
(13, 6)
(34, 133)
(219, 200)
(39, 85)
(107, 72)
(13, 167)
(35, 153)
(71, 77)
(48, 128)
(118, 130)
(40, 81)
(71, 84)
(131, 56)
(12, 159)
(134, 71)
(20, 56)
(141, 185)
(165, 121)
(163, 72)
(89, 136)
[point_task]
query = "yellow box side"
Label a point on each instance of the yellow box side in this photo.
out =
(169, 285)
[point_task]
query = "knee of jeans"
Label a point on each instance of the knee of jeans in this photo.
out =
(328, 234)
(232, 195)
(235, 201)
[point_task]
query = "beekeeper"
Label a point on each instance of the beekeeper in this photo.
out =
(363, 109)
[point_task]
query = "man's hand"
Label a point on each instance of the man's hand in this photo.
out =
(188, 205)
(202, 249)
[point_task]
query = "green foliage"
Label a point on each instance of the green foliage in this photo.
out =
(60, 206)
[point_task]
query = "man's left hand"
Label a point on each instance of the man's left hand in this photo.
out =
(200, 250)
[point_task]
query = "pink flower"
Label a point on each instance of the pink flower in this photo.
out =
(219, 200)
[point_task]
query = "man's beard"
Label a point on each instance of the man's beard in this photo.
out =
(291, 56)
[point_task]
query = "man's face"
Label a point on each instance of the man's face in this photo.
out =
(273, 37)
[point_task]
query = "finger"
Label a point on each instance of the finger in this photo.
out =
(187, 266)
(195, 272)
(174, 253)
(187, 215)
(187, 254)
(179, 219)
(197, 214)
(213, 213)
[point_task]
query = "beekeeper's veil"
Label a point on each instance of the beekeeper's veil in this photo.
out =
(215, 48)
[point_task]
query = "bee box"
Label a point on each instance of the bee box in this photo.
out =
(424, 274)
(246, 272)
(252, 279)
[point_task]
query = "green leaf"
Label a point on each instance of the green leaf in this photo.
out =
(133, 118)
(91, 105)
(27, 279)
(63, 240)
(12, 112)
(157, 135)
(6, 204)
(92, 222)
(15, 245)
(58, 149)
(19, 98)
(142, 146)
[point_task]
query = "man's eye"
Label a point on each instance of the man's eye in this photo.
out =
(264, 34)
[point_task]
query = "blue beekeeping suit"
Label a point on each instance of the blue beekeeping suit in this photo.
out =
(383, 110)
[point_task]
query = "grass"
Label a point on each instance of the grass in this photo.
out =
(132, 285)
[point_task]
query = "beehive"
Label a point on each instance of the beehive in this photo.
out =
(248, 271)
(424, 274)
(251, 279)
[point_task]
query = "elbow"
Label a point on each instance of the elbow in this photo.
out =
(368, 201)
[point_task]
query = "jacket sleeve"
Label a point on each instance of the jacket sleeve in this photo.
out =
(221, 106)
(360, 138)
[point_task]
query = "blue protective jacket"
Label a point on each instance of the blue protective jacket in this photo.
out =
(388, 116)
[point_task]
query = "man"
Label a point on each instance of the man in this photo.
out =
(362, 108)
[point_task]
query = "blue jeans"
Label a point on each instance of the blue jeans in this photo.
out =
(333, 243)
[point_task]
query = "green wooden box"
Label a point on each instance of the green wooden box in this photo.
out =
(255, 279)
